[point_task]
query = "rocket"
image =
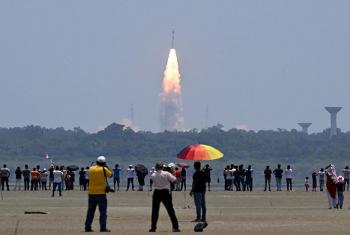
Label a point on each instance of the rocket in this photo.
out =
(173, 39)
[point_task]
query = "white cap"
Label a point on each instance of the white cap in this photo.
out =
(130, 165)
(101, 159)
(44, 169)
(171, 165)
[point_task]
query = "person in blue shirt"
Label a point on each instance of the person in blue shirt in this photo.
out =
(116, 176)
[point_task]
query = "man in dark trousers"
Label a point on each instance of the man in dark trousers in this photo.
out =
(26, 177)
(278, 172)
(267, 173)
(97, 194)
(5, 175)
(161, 183)
(198, 192)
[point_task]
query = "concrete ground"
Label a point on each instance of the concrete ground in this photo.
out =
(129, 213)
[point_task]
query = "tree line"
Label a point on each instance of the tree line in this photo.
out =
(121, 141)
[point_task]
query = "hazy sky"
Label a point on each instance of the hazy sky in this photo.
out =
(260, 64)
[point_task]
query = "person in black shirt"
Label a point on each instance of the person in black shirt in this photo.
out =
(207, 169)
(82, 184)
(51, 169)
(278, 172)
(198, 192)
(267, 174)
(241, 177)
(26, 177)
(249, 178)
(18, 174)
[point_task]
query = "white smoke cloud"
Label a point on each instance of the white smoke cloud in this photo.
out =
(243, 127)
(128, 123)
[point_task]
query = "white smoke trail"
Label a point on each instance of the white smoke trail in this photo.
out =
(171, 104)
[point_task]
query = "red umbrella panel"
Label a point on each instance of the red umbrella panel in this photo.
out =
(182, 165)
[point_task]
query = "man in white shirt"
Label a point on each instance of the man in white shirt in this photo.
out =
(161, 183)
(57, 181)
(130, 172)
(288, 173)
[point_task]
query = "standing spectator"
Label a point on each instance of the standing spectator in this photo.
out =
(141, 179)
(39, 171)
(18, 174)
(225, 173)
(130, 172)
(82, 179)
(340, 191)
(289, 175)
(57, 181)
(198, 192)
(51, 169)
(241, 177)
(249, 178)
(306, 183)
(5, 174)
(207, 170)
(64, 171)
(34, 180)
(178, 178)
(150, 178)
(161, 182)
(86, 178)
(267, 174)
(26, 177)
(43, 179)
(236, 177)
(230, 178)
(321, 178)
(70, 179)
(346, 173)
(331, 185)
(183, 179)
(278, 172)
(314, 181)
(116, 176)
(97, 194)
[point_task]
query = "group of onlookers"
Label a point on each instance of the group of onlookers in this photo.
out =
(238, 177)
(37, 179)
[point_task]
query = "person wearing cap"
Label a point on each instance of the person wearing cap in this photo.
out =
(43, 179)
(161, 182)
(97, 194)
(130, 172)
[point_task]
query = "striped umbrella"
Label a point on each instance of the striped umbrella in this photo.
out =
(198, 152)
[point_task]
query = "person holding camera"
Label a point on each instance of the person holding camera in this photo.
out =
(98, 186)
(161, 182)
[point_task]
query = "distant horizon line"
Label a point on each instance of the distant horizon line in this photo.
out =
(219, 125)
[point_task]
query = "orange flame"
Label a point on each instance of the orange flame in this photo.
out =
(171, 113)
(172, 80)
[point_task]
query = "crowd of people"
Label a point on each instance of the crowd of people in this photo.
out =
(163, 180)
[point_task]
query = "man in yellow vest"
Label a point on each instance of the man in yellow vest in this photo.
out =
(97, 194)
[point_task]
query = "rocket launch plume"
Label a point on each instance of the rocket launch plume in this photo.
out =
(171, 104)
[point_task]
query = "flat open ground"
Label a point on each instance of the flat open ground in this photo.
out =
(129, 213)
